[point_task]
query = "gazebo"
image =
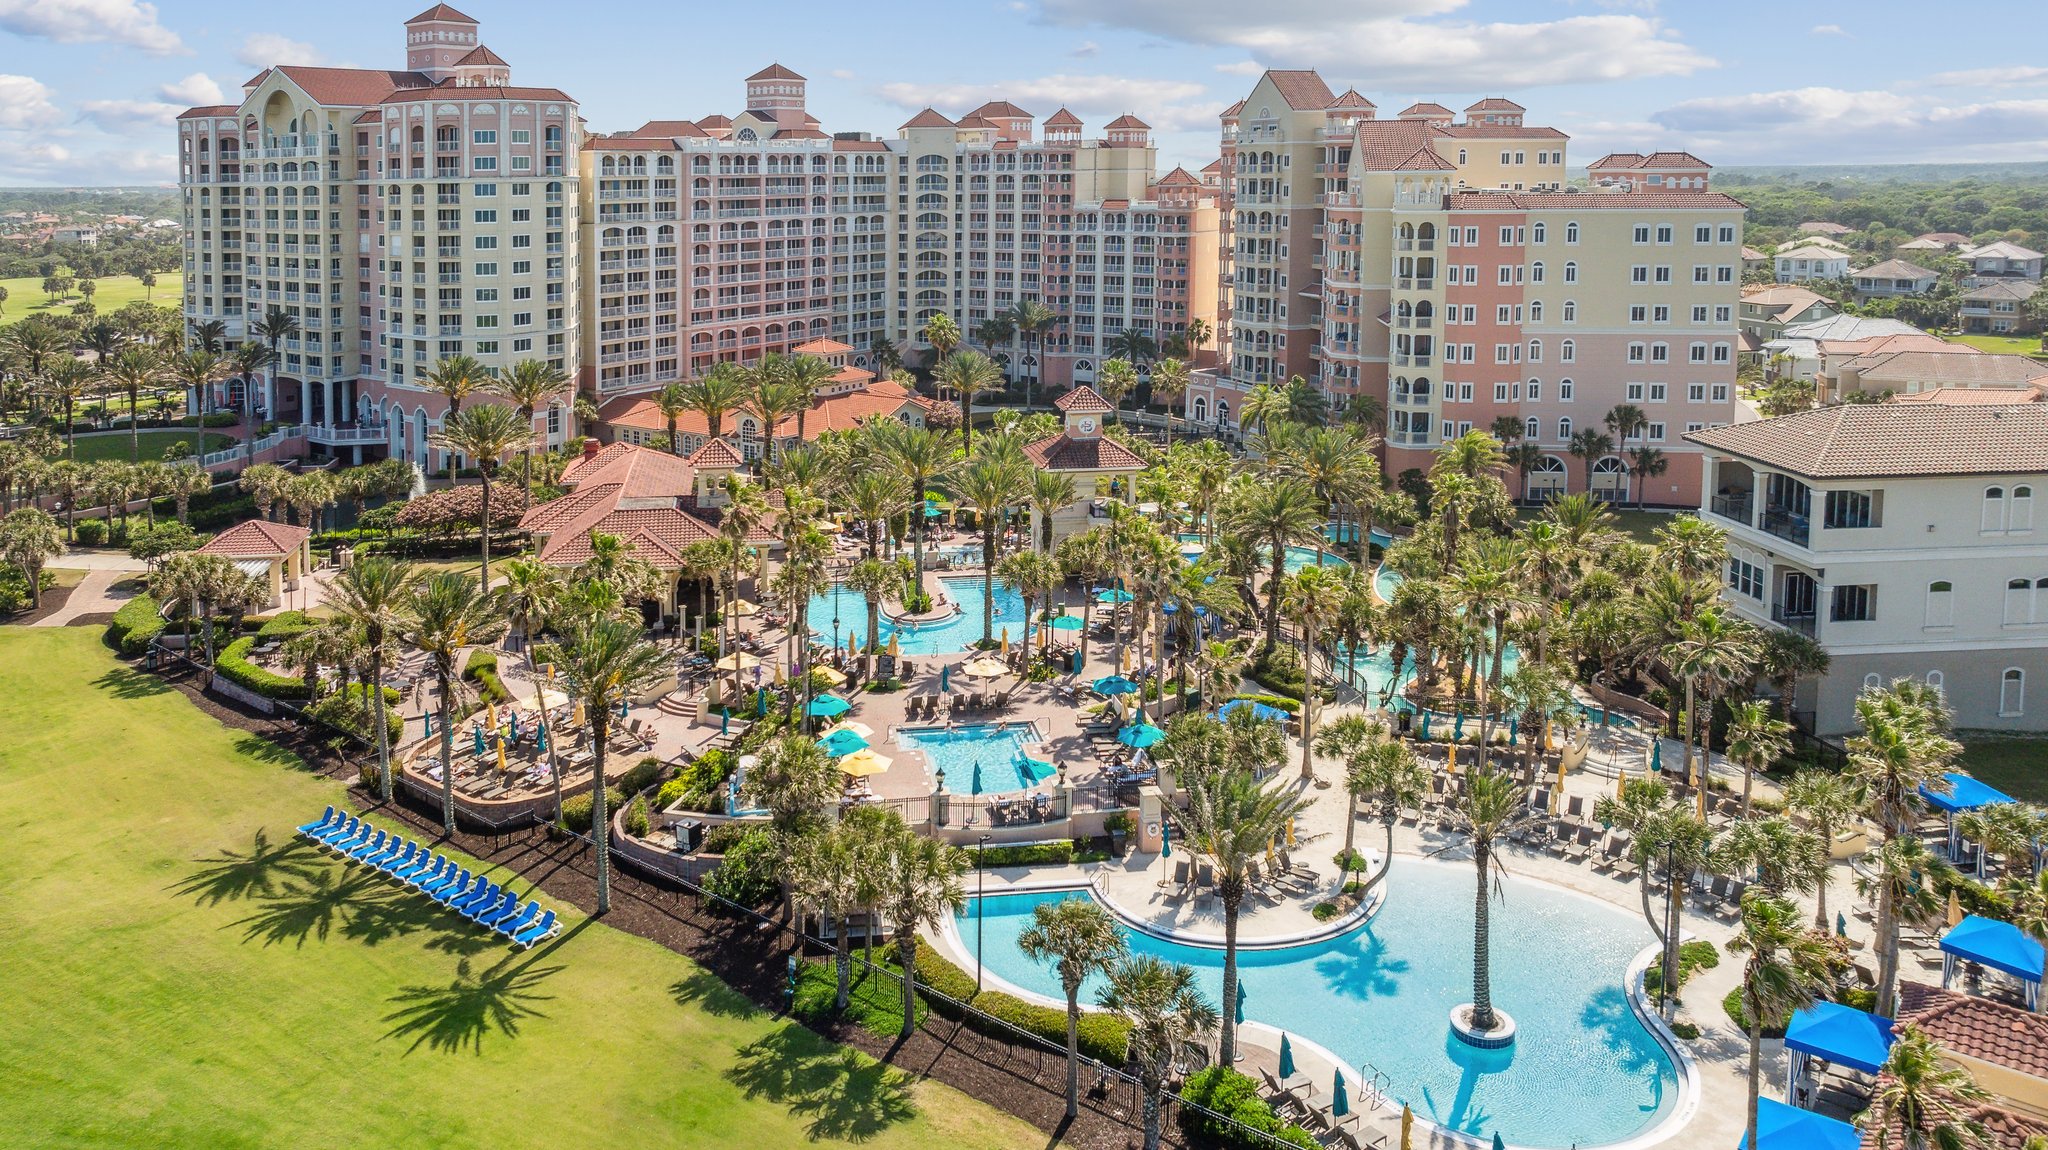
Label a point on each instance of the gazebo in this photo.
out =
(2000, 946)
(277, 555)
(1782, 1127)
(1834, 1033)
(1964, 794)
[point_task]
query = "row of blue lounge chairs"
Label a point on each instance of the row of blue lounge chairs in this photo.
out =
(438, 877)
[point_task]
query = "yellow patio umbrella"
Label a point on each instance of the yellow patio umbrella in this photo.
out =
(1127, 658)
(1955, 908)
(1006, 642)
(854, 725)
(1451, 763)
(862, 764)
(895, 645)
(830, 676)
(1290, 832)
(737, 661)
(1407, 1127)
(744, 608)
(984, 668)
(576, 719)
(853, 644)
(490, 715)
(778, 674)
(1560, 785)
(1620, 780)
(502, 768)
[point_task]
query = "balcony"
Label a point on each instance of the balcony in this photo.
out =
(1802, 622)
(1737, 506)
(1787, 525)
(347, 434)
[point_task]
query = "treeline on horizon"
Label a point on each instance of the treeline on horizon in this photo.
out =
(1890, 203)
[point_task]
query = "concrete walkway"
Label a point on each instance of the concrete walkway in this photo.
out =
(94, 595)
(98, 559)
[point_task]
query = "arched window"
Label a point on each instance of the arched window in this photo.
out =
(1568, 351)
(2019, 608)
(1993, 518)
(1536, 234)
(1571, 271)
(1536, 272)
(1564, 428)
(1532, 427)
(2012, 693)
(1941, 603)
(1536, 311)
(1535, 351)
(1936, 681)
(1873, 681)
(1571, 232)
(2020, 511)
(1201, 410)
(1571, 311)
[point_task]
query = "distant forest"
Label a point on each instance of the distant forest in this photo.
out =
(149, 203)
(1890, 203)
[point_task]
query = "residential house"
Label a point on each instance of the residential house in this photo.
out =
(1893, 278)
(1995, 308)
(1798, 351)
(1768, 309)
(1824, 228)
(1911, 372)
(1900, 537)
(2002, 261)
(1754, 261)
(1935, 242)
(1811, 262)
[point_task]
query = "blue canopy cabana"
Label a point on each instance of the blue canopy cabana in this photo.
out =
(1782, 1127)
(1999, 946)
(1835, 1033)
(1259, 710)
(1964, 794)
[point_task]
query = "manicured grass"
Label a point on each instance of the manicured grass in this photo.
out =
(1640, 526)
(151, 443)
(2019, 767)
(184, 974)
(2009, 344)
(25, 295)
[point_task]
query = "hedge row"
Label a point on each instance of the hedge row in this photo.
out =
(1104, 1037)
(351, 712)
(232, 664)
(482, 670)
(1235, 1096)
(136, 625)
(1030, 854)
(286, 625)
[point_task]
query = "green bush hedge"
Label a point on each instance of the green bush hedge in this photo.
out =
(91, 532)
(1104, 1037)
(232, 664)
(1732, 1004)
(135, 626)
(482, 669)
(642, 775)
(576, 810)
(1283, 702)
(1032, 854)
(723, 837)
(1236, 1096)
(350, 712)
(700, 785)
(751, 871)
(285, 625)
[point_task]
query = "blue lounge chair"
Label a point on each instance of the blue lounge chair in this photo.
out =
(497, 908)
(393, 854)
(498, 921)
(532, 934)
(423, 864)
(519, 922)
(482, 893)
(468, 886)
(451, 878)
(348, 826)
(368, 847)
(319, 824)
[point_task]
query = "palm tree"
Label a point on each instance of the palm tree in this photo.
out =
(874, 579)
(531, 591)
(1624, 420)
(672, 401)
(1231, 819)
(1081, 939)
(774, 399)
(1785, 970)
(1491, 804)
(806, 375)
(1663, 836)
(443, 616)
(1924, 1101)
(1032, 320)
(1050, 494)
(1170, 379)
(921, 888)
(1589, 446)
(1311, 600)
(1901, 876)
(1646, 463)
(29, 539)
(1281, 514)
(1756, 739)
(132, 369)
(1116, 379)
(67, 380)
(530, 385)
(456, 377)
(484, 434)
(1827, 800)
(943, 335)
(829, 870)
(1169, 1019)
(968, 372)
(795, 782)
(1712, 653)
(184, 483)
(276, 326)
(1786, 859)
(1376, 765)
(207, 584)
(996, 330)
(1133, 345)
(1903, 746)
(605, 661)
(922, 459)
(993, 481)
(370, 597)
(1788, 657)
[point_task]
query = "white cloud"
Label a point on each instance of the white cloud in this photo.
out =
(124, 116)
(1823, 125)
(1242, 68)
(198, 88)
(1404, 44)
(1829, 30)
(2018, 74)
(129, 22)
(842, 73)
(49, 164)
(25, 103)
(1086, 50)
(1168, 105)
(268, 49)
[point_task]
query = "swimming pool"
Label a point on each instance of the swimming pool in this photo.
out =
(997, 749)
(1297, 557)
(945, 637)
(1584, 1068)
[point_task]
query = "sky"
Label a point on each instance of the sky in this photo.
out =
(89, 89)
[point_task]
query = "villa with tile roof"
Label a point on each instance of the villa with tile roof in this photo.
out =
(1995, 308)
(1893, 278)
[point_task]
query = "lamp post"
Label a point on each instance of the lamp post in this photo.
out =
(980, 906)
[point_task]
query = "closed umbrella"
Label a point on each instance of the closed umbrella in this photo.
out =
(760, 701)
(946, 677)
(1340, 1098)
(1166, 852)
(1955, 908)
(426, 724)
(1241, 996)
(725, 720)
(1006, 641)
(895, 644)
(490, 714)
(481, 748)
(578, 718)
(1497, 1143)
(976, 789)
(502, 768)
(625, 707)
(1286, 1057)
(829, 707)
(540, 738)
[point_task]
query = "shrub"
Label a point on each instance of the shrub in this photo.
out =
(1692, 956)
(1732, 1004)
(285, 625)
(636, 818)
(698, 785)
(212, 419)
(349, 711)
(1283, 702)
(874, 999)
(723, 837)
(1325, 911)
(232, 664)
(482, 669)
(13, 589)
(642, 775)
(136, 625)
(751, 872)
(576, 810)
(1236, 1097)
(1685, 1030)
(91, 532)
(1104, 1037)
(153, 544)
(1030, 854)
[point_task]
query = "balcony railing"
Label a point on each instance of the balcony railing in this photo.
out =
(1787, 525)
(1736, 506)
(1800, 621)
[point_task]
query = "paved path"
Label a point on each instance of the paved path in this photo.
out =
(99, 559)
(94, 595)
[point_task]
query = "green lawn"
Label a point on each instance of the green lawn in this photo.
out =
(182, 973)
(93, 448)
(2019, 767)
(1637, 525)
(2010, 344)
(25, 295)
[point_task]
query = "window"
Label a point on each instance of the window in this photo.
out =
(1703, 233)
(1636, 353)
(1536, 272)
(1657, 391)
(1564, 391)
(487, 321)
(1507, 237)
(522, 135)
(1532, 427)
(1935, 681)
(2020, 512)
(1721, 353)
(1507, 273)
(1535, 351)
(2012, 693)
(1571, 232)
(522, 319)
(1660, 353)
(522, 241)
(489, 269)
(486, 295)
(1660, 314)
(1992, 519)
(1655, 432)
(1723, 313)
(1847, 509)
(1696, 353)
(1695, 393)
(1535, 390)
(1941, 610)
(1642, 233)
(485, 243)
(1471, 237)
(487, 215)
(1536, 311)
(1699, 313)
(1701, 273)
(1500, 393)
(1501, 313)
(1727, 233)
(1663, 233)
(1639, 274)
(1568, 351)
(1536, 233)
(1564, 428)
(1746, 578)
(1663, 273)
(1720, 393)
(486, 189)
(485, 135)
(1635, 393)
(1571, 273)
(1854, 603)
(487, 163)
(1571, 311)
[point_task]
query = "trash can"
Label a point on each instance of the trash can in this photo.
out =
(689, 835)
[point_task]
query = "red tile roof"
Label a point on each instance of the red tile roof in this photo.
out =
(715, 122)
(440, 12)
(928, 118)
(1384, 145)
(206, 110)
(1062, 453)
(1063, 119)
(345, 86)
(977, 123)
(1301, 88)
(775, 72)
(1083, 399)
(637, 493)
(1127, 121)
(1423, 109)
(1351, 99)
(1978, 1028)
(1003, 109)
(1636, 201)
(257, 539)
(482, 55)
(715, 455)
(1868, 440)
(822, 347)
(1495, 104)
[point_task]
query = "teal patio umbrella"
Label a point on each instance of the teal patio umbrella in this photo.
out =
(1069, 623)
(1140, 735)
(977, 777)
(1340, 1097)
(829, 707)
(427, 724)
(841, 743)
(1287, 1058)
(540, 738)
(946, 677)
(481, 749)
(1166, 852)
(1114, 595)
(625, 707)
(1240, 1002)
(1114, 685)
(1657, 755)
(760, 701)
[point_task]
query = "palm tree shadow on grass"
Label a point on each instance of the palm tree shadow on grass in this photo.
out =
(847, 1098)
(127, 683)
(264, 751)
(358, 906)
(709, 993)
(236, 875)
(453, 1018)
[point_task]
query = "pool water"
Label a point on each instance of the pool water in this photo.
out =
(997, 748)
(1584, 1069)
(1297, 557)
(946, 637)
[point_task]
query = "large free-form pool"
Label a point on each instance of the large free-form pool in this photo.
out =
(1584, 1069)
(945, 637)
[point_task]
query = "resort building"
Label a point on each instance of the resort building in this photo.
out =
(1099, 468)
(1441, 267)
(399, 217)
(1902, 538)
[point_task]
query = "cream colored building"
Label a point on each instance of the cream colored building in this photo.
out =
(1903, 538)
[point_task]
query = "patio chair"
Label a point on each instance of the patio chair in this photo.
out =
(483, 897)
(322, 823)
(515, 924)
(1575, 809)
(367, 847)
(506, 904)
(1180, 874)
(525, 939)
(391, 857)
(426, 862)
(451, 878)
(1205, 876)
(345, 828)
(463, 885)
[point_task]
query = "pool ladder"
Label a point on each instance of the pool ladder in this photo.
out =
(1375, 1085)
